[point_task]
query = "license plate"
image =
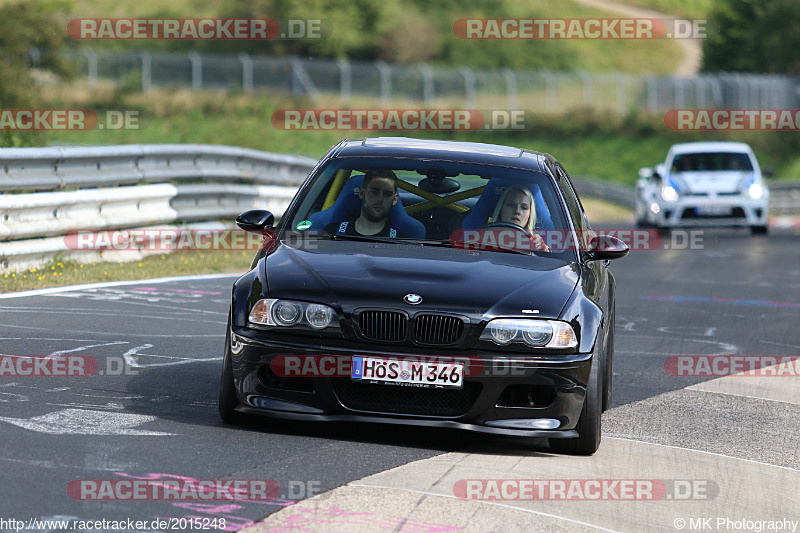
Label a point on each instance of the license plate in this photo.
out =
(714, 211)
(408, 372)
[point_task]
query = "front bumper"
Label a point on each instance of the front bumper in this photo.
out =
(730, 210)
(507, 394)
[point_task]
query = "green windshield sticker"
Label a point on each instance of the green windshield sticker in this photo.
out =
(304, 225)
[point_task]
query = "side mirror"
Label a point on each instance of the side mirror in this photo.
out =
(646, 172)
(256, 220)
(606, 247)
(768, 172)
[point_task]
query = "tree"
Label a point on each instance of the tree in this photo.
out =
(753, 36)
(31, 40)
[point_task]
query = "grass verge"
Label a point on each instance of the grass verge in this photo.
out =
(68, 272)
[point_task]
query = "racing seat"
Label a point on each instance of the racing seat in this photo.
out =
(348, 201)
(483, 208)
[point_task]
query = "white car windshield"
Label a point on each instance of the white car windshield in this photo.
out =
(712, 161)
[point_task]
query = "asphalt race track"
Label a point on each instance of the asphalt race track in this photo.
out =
(715, 447)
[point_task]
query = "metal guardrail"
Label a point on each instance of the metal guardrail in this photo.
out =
(784, 197)
(623, 195)
(48, 192)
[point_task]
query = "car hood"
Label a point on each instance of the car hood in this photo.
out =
(719, 182)
(352, 275)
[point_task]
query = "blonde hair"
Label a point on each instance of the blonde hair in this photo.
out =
(512, 190)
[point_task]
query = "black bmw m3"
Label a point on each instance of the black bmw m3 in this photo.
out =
(429, 283)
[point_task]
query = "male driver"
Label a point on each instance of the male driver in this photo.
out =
(378, 194)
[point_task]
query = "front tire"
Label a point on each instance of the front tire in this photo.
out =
(228, 400)
(608, 363)
(758, 230)
(588, 427)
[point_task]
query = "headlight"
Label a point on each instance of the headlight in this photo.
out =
(755, 191)
(286, 313)
(535, 333)
(273, 312)
(669, 194)
(319, 316)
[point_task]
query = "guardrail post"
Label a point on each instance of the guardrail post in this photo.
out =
(147, 70)
(91, 66)
(620, 93)
(428, 88)
(386, 82)
(550, 90)
(197, 70)
(587, 88)
(247, 72)
(345, 79)
(699, 92)
(680, 93)
(469, 86)
(652, 94)
(511, 88)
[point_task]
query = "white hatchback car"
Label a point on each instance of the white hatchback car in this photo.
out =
(704, 184)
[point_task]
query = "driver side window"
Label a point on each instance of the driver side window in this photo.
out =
(576, 212)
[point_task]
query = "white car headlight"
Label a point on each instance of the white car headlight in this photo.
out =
(274, 312)
(532, 332)
(669, 194)
(755, 191)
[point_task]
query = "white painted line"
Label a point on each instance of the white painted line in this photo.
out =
(55, 290)
(701, 451)
(507, 506)
(85, 422)
(738, 395)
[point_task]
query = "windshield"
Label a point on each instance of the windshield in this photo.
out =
(431, 202)
(716, 161)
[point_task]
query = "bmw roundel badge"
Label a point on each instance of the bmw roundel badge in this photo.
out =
(413, 299)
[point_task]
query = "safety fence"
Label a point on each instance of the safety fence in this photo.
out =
(541, 91)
